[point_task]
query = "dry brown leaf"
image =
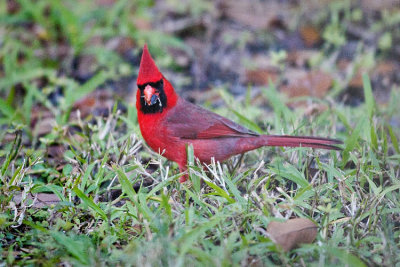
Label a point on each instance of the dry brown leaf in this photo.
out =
(97, 103)
(301, 83)
(42, 199)
(42, 120)
(255, 14)
(86, 104)
(44, 126)
(292, 233)
(356, 81)
(56, 151)
(310, 35)
(262, 76)
(121, 44)
(385, 67)
(345, 65)
(384, 77)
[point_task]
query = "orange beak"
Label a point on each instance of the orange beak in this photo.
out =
(150, 95)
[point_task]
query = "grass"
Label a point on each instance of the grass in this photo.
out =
(352, 196)
(121, 204)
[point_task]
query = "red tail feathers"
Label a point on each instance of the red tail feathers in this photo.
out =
(302, 141)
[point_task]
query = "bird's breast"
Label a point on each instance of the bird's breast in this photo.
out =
(160, 139)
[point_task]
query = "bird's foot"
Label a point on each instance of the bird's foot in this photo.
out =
(184, 178)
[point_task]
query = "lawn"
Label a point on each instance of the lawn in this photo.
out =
(79, 186)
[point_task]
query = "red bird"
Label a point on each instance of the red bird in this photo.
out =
(168, 123)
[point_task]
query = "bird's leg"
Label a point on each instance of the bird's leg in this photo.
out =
(185, 176)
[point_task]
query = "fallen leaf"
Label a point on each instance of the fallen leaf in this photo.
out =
(356, 81)
(121, 45)
(301, 83)
(310, 35)
(56, 152)
(292, 233)
(255, 14)
(42, 199)
(38, 113)
(86, 104)
(44, 126)
(262, 76)
(384, 77)
(97, 103)
(385, 67)
(354, 93)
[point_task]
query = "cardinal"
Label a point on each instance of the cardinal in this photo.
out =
(169, 123)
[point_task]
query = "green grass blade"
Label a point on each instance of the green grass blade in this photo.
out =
(291, 173)
(6, 109)
(193, 235)
(73, 95)
(247, 122)
(352, 141)
(89, 202)
(220, 192)
(394, 139)
(126, 185)
(369, 97)
(76, 248)
(346, 257)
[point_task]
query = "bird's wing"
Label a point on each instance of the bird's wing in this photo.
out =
(188, 121)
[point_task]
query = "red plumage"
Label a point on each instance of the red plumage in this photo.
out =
(168, 123)
(148, 71)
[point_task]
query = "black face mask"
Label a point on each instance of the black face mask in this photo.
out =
(158, 102)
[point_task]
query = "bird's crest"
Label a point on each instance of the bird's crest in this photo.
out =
(148, 71)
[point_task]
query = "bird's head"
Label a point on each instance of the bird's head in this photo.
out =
(155, 93)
